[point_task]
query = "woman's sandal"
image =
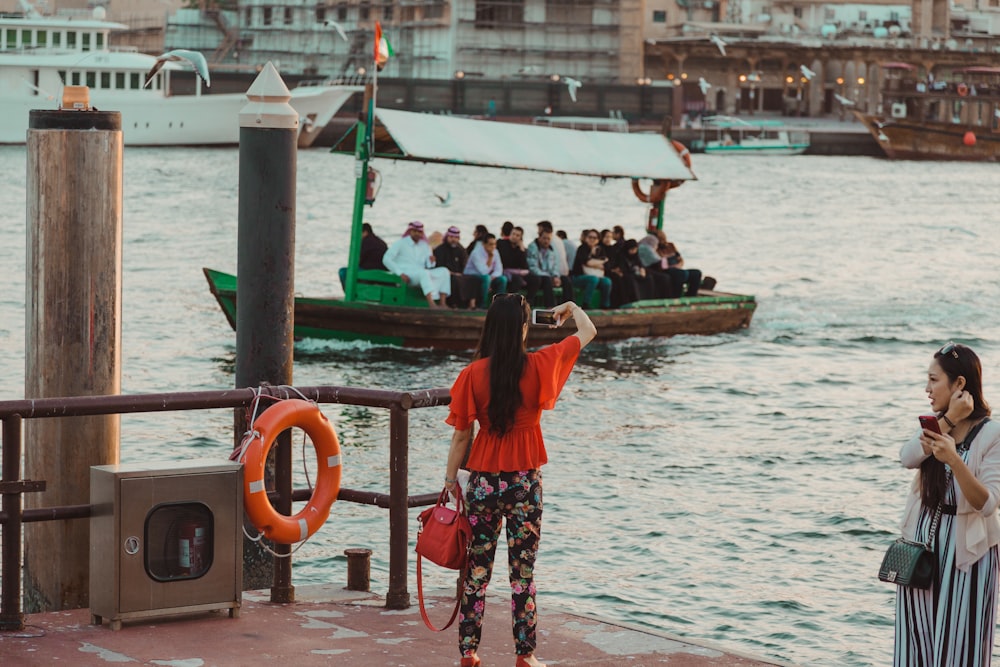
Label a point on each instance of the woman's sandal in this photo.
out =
(471, 661)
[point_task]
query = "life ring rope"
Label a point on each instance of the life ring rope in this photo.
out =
(253, 452)
(962, 89)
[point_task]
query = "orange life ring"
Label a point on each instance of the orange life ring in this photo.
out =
(683, 151)
(657, 191)
(278, 418)
(962, 89)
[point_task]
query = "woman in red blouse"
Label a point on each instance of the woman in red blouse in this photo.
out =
(505, 389)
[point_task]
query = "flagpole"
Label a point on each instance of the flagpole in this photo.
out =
(363, 150)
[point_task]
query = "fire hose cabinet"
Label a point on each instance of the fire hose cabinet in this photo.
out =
(165, 538)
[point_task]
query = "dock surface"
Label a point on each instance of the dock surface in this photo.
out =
(327, 625)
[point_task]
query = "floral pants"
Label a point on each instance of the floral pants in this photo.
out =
(492, 497)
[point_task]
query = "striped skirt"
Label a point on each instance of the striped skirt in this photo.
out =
(951, 623)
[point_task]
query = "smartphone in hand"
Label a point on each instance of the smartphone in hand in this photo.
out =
(930, 422)
(541, 317)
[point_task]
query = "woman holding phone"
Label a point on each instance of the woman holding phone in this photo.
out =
(505, 389)
(952, 622)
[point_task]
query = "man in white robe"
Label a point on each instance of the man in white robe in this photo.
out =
(411, 259)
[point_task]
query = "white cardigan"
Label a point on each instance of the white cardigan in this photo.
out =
(975, 530)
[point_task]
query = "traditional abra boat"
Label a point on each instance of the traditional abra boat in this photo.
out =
(727, 135)
(41, 54)
(953, 115)
(378, 307)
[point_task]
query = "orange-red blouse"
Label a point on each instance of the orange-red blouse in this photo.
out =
(522, 447)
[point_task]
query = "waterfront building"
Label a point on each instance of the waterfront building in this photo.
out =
(803, 57)
(596, 40)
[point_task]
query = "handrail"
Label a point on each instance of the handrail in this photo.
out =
(397, 501)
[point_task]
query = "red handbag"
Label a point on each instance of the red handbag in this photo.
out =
(443, 538)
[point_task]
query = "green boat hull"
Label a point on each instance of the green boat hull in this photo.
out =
(411, 326)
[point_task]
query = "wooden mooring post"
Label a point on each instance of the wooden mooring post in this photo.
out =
(72, 333)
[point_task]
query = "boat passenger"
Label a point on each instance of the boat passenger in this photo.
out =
(505, 389)
(477, 237)
(564, 263)
(635, 282)
(411, 259)
(567, 243)
(486, 267)
(673, 264)
(588, 271)
(451, 255)
(505, 229)
(609, 244)
(543, 262)
(514, 256)
(662, 283)
(372, 249)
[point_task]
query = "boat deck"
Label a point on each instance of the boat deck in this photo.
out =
(330, 625)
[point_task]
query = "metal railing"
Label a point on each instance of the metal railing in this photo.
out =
(397, 501)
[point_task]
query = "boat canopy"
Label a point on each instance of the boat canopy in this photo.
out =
(406, 135)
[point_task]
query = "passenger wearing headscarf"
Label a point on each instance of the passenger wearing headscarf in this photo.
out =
(411, 259)
(452, 256)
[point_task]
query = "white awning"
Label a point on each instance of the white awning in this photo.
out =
(430, 138)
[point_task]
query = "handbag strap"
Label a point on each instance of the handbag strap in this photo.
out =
(420, 597)
(969, 437)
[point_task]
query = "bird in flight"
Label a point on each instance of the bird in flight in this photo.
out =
(719, 43)
(806, 72)
(443, 201)
(195, 58)
(843, 100)
(572, 84)
(336, 26)
(704, 85)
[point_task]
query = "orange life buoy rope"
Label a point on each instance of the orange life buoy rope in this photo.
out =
(280, 417)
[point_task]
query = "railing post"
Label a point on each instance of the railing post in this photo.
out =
(11, 617)
(399, 426)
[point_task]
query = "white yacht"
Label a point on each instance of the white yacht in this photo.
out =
(40, 54)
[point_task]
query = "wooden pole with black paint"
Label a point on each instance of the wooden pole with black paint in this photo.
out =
(265, 271)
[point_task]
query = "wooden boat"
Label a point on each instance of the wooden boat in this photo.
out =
(728, 135)
(378, 307)
(954, 115)
(415, 326)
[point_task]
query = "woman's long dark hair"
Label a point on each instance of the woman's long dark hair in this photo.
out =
(502, 341)
(957, 361)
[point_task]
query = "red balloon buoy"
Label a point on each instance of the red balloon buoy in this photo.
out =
(969, 139)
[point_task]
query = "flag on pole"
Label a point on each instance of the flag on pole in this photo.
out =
(383, 49)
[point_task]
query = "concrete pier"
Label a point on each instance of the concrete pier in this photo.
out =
(329, 625)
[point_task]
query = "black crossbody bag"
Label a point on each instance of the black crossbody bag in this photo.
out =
(909, 563)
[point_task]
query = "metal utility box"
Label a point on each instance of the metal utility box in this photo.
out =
(165, 538)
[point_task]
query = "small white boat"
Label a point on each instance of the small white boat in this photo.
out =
(40, 54)
(735, 136)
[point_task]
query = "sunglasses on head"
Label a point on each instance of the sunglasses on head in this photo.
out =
(949, 348)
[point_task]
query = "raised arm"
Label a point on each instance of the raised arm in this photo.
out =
(585, 329)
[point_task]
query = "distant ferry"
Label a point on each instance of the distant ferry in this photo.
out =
(951, 117)
(40, 54)
(734, 136)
